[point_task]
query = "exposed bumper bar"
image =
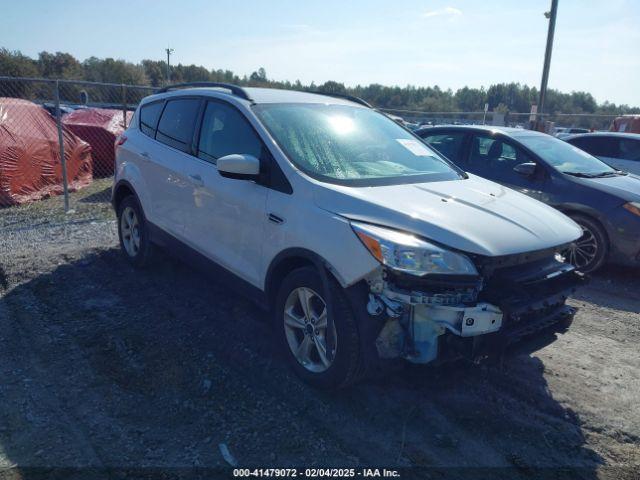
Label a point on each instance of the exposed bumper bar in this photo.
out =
(425, 333)
(526, 338)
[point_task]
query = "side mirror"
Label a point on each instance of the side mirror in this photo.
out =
(239, 166)
(525, 169)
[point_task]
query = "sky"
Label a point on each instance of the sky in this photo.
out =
(418, 42)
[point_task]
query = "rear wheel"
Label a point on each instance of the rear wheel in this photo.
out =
(589, 252)
(133, 232)
(323, 349)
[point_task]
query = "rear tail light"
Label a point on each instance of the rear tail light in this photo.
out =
(121, 139)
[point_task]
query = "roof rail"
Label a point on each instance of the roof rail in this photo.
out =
(344, 96)
(234, 89)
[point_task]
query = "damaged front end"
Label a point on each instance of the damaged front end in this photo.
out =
(438, 318)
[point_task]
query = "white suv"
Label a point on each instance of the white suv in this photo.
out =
(367, 245)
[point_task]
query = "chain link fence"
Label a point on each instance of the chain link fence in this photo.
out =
(510, 119)
(57, 146)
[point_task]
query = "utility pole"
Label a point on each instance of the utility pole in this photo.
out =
(551, 15)
(169, 52)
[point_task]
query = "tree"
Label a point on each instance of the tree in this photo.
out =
(111, 70)
(259, 77)
(332, 87)
(512, 97)
(14, 64)
(59, 65)
(155, 71)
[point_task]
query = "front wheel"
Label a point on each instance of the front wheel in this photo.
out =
(321, 347)
(589, 252)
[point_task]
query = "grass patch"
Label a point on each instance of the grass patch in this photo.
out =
(92, 203)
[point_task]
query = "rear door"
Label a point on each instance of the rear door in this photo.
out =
(226, 217)
(168, 187)
(450, 144)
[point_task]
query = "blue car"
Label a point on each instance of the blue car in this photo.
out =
(603, 200)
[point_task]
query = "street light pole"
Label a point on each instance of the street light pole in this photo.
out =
(551, 15)
(169, 52)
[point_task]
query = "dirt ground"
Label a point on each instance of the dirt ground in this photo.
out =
(103, 366)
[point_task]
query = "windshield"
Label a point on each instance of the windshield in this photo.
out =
(351, 145)
(565, 157)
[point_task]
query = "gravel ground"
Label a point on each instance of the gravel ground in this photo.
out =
(103, 366)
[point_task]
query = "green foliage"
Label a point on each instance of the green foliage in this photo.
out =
(503, 97)
(15, 64)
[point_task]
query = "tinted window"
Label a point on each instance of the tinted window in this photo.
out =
(225, 131)
(177, 121)
(149, 115)
(598, 146)
(495, 159)
(630, 149)
(449, 144)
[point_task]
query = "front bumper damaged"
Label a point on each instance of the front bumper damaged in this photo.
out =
(502, 312)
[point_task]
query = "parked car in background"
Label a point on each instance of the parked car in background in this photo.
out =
(365, 243)
(621, 150)
(604, 201)
(571, 130)
(563, 132)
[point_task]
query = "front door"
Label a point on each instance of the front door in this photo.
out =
(495, 158)
(226, 217)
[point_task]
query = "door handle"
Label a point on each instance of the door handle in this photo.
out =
(275, 218)
(196, 179)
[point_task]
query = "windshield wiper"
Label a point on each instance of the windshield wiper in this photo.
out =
(596, 175)
(579, 174)
(609, 174)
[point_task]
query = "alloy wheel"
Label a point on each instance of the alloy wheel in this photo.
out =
(309, 337)
(583, 251)
(130, 230)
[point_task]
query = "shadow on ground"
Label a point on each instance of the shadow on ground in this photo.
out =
(615, 287)
(108, 367)
(102, 196)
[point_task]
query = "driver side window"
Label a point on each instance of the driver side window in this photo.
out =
(494, 158)
(225, 131)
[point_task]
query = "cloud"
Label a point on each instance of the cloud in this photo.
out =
(446, 11)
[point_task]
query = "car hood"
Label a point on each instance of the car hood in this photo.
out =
(625, 187)
(473, 215)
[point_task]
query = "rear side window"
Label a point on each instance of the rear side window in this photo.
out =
(225, 131)
(449, 145)
(598, 146)
(149, 115)
(176, 124)
(630, 149)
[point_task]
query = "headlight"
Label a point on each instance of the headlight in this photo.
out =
(409, 254)
(633, 207)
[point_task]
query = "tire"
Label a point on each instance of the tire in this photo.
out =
(343, 368)
(134, 242)
(593, 244)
